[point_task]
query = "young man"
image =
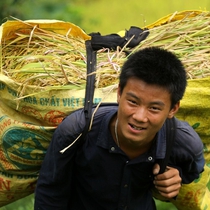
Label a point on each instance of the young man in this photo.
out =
(115, 167)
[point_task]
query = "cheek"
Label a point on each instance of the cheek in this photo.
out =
(123, 112)
(159, 123)
(124, 107)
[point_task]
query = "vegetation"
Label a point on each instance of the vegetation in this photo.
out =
(94, 16)
(119, 15)
(27, 204)
(40, 9)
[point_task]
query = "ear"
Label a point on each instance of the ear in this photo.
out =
(118, 93)
(174, 110)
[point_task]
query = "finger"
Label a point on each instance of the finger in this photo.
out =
(170, 194)
(164, 187)
(164, 182)
(168, 174)
(169, 191)
(156, 169)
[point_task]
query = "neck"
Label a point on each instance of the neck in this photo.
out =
(130, 149)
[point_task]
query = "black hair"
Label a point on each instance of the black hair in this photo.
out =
(157, 66)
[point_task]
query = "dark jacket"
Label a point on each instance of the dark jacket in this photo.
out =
(96, 174)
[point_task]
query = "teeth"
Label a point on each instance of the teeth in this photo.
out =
(136, 128)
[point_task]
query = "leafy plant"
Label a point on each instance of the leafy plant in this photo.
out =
(28, 202)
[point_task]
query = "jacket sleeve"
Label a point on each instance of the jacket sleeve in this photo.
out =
(55, 182)
(187, 154)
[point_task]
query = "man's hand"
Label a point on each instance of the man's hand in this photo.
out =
(169, 183)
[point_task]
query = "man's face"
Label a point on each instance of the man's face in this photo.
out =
(143, 109)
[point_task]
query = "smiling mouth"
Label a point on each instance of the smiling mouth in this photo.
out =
(137, 128)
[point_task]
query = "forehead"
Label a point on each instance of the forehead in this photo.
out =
(135, 82)
(139, 89)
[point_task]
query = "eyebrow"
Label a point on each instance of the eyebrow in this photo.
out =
(132, 95)
(160, 103)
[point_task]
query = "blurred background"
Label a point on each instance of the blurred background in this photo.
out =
(102, 16)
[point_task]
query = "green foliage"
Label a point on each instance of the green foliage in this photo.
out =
(98, 15)
(22, 204)
(112, 16)
(164, 205)
(40, 9)
(9, 7)
(28, 202)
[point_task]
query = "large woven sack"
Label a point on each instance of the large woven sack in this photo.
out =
(26, 125)
(195, 109)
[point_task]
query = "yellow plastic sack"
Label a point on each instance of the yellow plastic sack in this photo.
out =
(195, 109)
(196, 195)
(174, 17)
(193, 196)
(9, 29)
(23, 143)
(26, 126)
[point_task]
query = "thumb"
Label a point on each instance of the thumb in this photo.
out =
(156, 169)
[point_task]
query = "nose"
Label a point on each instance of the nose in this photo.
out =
(141, 114)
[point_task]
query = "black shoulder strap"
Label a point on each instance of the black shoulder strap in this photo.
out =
(90, 86)
(170, 137)
(90, 83)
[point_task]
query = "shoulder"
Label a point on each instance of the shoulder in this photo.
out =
(75, 123)
(187, 139)
(187, 152)
(104, 109)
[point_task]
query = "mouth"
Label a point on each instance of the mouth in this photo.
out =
(137, 128)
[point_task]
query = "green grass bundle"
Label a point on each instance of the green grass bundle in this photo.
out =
(43, 58)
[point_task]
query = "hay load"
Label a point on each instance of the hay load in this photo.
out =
(48, 59)
(44, 58)
(187, 35)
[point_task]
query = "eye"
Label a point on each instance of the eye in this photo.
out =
(155, 108)
(132, 101)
